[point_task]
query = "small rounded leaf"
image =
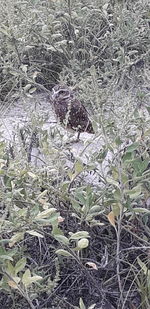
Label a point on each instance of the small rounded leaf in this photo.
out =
(83, 243)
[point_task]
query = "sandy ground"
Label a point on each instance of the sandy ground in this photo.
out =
(36, 112)
(26, 111)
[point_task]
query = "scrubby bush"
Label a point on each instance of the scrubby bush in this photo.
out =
(65, 243)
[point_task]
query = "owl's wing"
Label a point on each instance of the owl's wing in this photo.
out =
(79, 110)
(61, 109)
(79, 118)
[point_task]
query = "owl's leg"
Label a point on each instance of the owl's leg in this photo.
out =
(75, 140)
(78, 135)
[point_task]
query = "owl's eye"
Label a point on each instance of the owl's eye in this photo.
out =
(61, 92)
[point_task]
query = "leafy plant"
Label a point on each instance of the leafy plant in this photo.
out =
(65, 239)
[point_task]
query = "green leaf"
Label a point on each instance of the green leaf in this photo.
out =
(127, 156)
(143, 267)
(35, 278)
(6, 257)
(80, 197)
(132, 147)
(116, 208)
(79, 235)
(63, 252)
(113, 182)
(78, 167)
(101, 155)
(20, 265)
(147, 132)
(10, 269)
(81, 304)
(96, 208)
(135, 192)
(26, 88)
(32, 175)
(27, 280)
(4, 241)
(83, 243)
(140, 165)
(117, 195)
(9, 253)
(42, 194)
(5, 31)
(34, 233)
(118, 141)
(141, 210)
(32, 90)
(92, 306)
(46, 213)
(76, 206)
(26, 277)
(15, 238)
(71, 175)
(62, 239)
(50, 221)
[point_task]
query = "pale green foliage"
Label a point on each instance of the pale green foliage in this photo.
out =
(51, 219)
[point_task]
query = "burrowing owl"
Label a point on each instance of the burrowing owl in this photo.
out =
(70, 111)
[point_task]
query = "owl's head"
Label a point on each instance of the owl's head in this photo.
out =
(61, 92)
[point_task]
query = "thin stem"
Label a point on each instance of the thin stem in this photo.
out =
(118, 230)
(69, 7)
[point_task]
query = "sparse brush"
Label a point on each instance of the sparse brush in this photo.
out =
(75, 226)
